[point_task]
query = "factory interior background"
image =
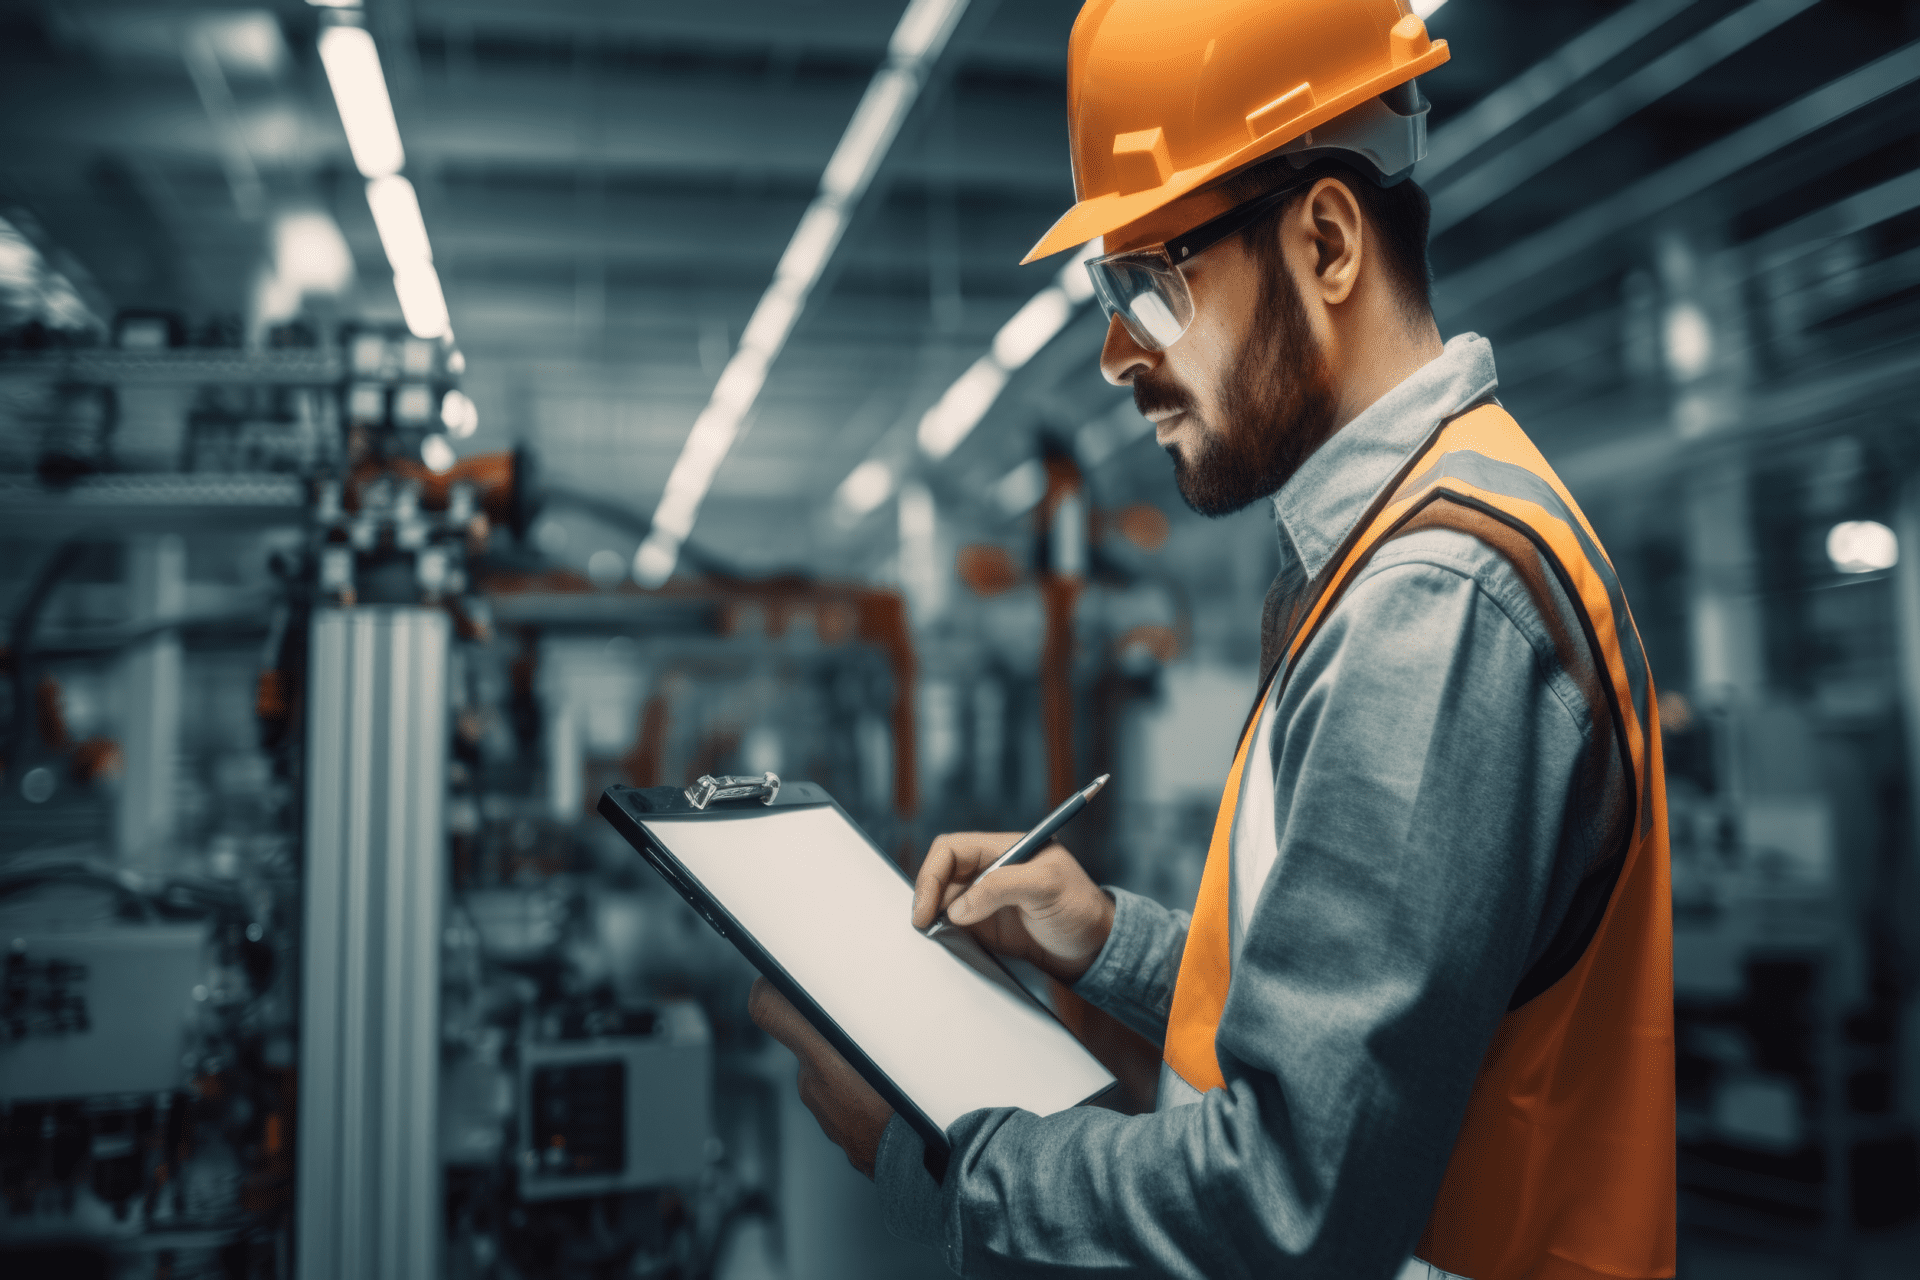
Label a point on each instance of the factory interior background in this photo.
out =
(418, 417)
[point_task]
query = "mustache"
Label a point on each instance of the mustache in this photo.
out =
(1150, 396)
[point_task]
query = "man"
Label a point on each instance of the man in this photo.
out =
(1419, 1021)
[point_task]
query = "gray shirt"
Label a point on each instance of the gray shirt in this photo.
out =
(1433, 811)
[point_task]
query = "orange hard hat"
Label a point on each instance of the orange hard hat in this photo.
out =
(1164, 96)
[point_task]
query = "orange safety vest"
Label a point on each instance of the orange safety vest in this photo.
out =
(1564, 1164)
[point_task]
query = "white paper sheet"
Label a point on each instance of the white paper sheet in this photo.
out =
(942, 1020)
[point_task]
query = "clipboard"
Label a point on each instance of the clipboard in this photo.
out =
(938, 1026)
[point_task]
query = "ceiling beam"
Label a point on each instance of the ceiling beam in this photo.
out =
(1531, 262)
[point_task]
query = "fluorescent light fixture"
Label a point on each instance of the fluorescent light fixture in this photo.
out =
(875, 121)
(458, 415)
(954, 416)
(248, 42)
(960, 408)
(396, 213)
(920, 568)
(605, 567)
(1074, 280)
(918, 520)
(360, 91)
(812, 244)
(1862, 546)
(653, 562)
(310, 254)
(923, 28)
(1688, 339)
(274, 298)
(1424, 9)
(920, 35)
(866, 487)
(437, 454)
(771, 321)
(1032, 328)
(422, 305)
(1021, 487)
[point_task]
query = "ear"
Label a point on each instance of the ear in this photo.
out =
(1335, 234)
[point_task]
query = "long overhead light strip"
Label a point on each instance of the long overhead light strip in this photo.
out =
(959, 409)
(963, 404)
(359, 89)
(917, 41)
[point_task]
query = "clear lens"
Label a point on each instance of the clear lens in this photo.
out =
(1148, 294)
(1156, 319)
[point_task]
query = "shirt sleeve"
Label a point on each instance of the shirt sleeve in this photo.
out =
(1132, 978)
(1421, 774)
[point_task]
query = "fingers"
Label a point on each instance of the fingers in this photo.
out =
(953, 859)
(850, 1113)
(1034, 887)
(764, 1003)
(774, 1014)
(929, 885)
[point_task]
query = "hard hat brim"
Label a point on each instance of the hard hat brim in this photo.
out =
(1103, 214)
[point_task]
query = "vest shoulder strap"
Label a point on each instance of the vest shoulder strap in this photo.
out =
(1479, 474)
(1603, 780)
(1482, 459)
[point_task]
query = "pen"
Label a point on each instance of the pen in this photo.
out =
(1034, 841)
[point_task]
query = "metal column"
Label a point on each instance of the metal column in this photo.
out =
(150, 692)
(1906, 582)
(369, 1175)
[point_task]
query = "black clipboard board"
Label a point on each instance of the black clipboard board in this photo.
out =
(628, 809)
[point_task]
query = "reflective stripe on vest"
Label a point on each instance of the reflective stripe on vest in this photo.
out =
(1564, 1164)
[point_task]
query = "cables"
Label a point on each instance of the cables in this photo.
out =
(26, 617)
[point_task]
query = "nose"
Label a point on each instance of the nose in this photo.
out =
(1121, 358)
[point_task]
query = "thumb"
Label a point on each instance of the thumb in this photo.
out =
(1028, 887)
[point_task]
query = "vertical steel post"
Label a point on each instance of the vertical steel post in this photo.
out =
(150, 688)
(1906, 588)
(369, 1173)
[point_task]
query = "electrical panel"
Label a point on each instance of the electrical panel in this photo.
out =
(617, 1113)
(99, 1012)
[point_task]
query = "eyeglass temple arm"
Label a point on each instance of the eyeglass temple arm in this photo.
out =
(1214, 230)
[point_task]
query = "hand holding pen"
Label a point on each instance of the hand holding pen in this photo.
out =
(1059, 919)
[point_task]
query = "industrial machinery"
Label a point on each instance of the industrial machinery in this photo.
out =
(316, 964)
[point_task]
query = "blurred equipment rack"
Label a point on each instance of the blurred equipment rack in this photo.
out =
(617, 1112)
(150, 503)
(107, 366)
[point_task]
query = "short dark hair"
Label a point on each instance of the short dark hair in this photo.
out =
(1399, 214)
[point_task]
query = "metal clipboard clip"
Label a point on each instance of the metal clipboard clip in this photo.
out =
(709, 788)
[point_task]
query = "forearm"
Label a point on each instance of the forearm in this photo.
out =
(1202, 1191)
(1132, 978)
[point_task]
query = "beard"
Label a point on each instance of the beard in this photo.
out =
(1276, 408)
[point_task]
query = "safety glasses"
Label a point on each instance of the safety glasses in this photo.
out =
(1144, 287)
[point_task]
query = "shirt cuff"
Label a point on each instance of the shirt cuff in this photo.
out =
(909, 1197)
(1115, 974)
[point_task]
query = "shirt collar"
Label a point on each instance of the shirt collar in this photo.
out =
(1319, 505)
